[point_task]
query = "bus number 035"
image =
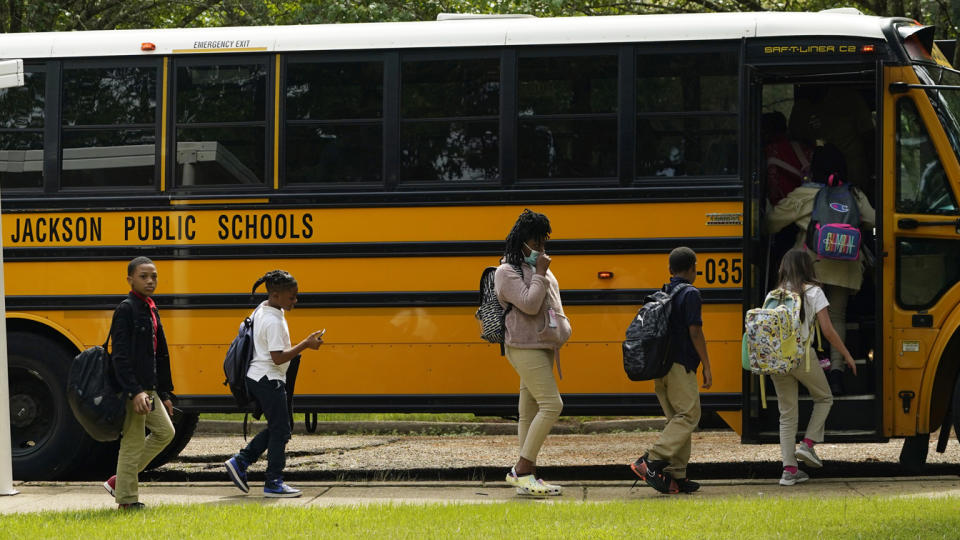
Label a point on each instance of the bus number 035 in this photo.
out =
(722, 271)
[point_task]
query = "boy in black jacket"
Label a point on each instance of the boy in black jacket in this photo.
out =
(664, 466)
(142, 367)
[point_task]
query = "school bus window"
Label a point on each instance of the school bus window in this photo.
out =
(449, 120)
(926, 269)
(221, 123)
(109, 126)
(945, 102)
(21, 133)
(334, 129)
(922, 186)
(567, 117)
(686, 114)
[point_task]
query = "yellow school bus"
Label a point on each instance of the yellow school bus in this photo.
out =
(383, 165)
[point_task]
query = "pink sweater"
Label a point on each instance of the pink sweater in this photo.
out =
(532, 295)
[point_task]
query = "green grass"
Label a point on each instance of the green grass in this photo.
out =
(866, 517)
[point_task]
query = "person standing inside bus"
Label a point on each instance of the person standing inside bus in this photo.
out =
(797, 275)
(265, 381)
(664, 465)
(535, 329)
(141, 365)
(839, 279)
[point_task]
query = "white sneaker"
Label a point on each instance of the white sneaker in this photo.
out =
(807, 455)
(789, 479)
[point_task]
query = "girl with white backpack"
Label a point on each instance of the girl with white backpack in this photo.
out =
(797, 275)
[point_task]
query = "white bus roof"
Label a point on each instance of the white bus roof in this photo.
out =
(479, 32)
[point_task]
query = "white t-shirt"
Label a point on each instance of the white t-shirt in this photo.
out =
(813, 302)
(270, 333)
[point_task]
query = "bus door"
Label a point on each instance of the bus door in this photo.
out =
(922, 263)
(791, 108)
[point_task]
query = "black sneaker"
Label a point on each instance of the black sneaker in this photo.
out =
(652, 473)
(131, 506)
(687, 486)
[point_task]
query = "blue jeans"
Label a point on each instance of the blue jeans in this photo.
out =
(272, 397)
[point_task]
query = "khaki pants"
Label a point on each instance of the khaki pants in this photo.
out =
(816, 382)
(838, 297)
(137, 449)
(680, 398)
(540, 402)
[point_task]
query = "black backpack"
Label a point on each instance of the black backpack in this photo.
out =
(491, 314)
(237, 362)
(94, 395)
(648, 338)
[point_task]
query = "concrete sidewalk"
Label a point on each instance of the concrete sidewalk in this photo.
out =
(50, 496)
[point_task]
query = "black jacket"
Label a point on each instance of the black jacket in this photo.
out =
(134, 363)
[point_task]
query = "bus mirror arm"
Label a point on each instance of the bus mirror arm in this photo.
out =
(903, 88)
(910, 224)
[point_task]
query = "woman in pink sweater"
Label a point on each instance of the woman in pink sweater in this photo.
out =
(535, 329)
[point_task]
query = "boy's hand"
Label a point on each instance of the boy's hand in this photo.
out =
(707, 377)
(141, 403)
(169, 406)
(314, 340)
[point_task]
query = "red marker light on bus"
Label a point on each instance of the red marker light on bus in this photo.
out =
(604, 275)
(867, 48)
(148, 47)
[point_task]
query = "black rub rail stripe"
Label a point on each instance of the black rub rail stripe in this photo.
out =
(489, 404)
(571, 297)
(679, 190)
(618, 246)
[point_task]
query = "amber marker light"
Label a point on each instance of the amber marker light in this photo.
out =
(148, 47)
(867, 48)
(604, 275)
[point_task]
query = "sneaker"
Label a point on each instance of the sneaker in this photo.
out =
(131, 506)
(652, 473)
(279, 489)
(237, 472)
(809, 456)
(789, 478)
(531, 486)
(687, 486)
(111, 486)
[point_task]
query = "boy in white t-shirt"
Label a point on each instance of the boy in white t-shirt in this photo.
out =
(797, 275)
(266, 380)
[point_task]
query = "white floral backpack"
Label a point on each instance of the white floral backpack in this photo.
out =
(772, 339)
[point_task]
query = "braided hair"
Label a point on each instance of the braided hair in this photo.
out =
(529, 225)
(276, 280)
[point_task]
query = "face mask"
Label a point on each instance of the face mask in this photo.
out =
(532, 258)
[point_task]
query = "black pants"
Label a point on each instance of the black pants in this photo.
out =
(272, 397)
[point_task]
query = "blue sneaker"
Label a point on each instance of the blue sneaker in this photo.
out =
(278, 489)
(237, 471)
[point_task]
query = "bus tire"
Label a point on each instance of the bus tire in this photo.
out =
(102, 461)
(913, 455)
(185, 425)
(46, 440)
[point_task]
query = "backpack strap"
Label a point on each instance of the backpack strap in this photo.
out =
(784, 165)
(804, 162)
(503, 349)
(110, 332)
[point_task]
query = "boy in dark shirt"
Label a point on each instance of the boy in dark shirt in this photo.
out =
(664, 466)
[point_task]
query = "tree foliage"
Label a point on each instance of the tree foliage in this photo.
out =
(65, 15)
